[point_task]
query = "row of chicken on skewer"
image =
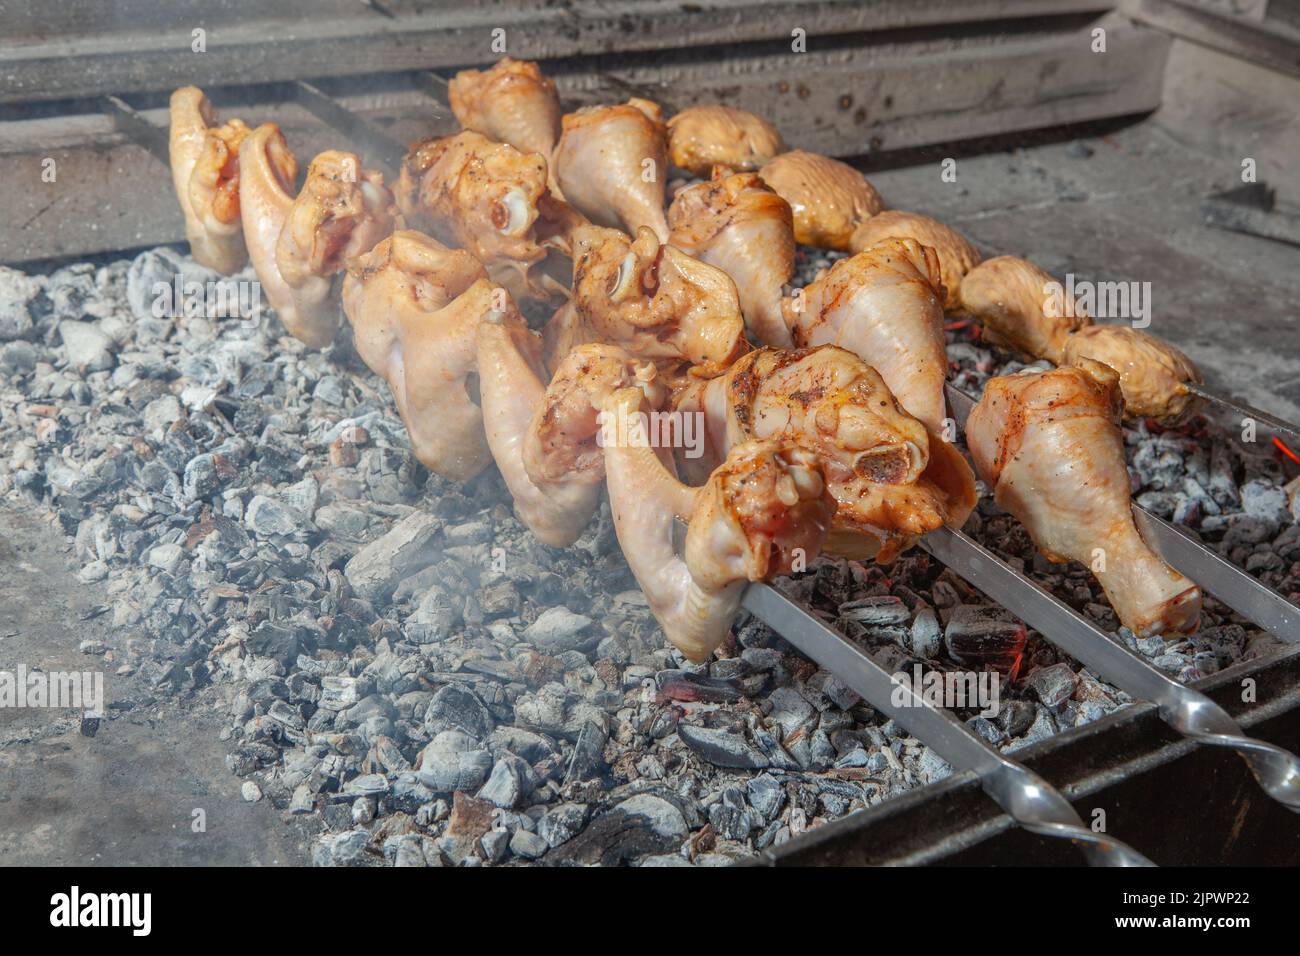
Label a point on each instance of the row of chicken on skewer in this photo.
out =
(829, 435)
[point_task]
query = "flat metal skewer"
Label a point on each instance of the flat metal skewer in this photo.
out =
(328, 110)
(1270, 421)
(131, 124)
(433, 85)
(1242, 592)
(1025, 796)
(1187, 711)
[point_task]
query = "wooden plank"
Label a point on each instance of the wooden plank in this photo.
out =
(845, 103)
(153, 51)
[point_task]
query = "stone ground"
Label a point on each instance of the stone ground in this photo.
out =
(1119, 207)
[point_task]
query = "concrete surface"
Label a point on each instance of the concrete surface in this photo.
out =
(125, 796)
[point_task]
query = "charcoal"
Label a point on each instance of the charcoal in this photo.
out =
(640, 826)
(790, 711)
(925, 637)
(684, 686)
(766, 796)
(722, 748)
(1053, 685)
(886, 609)
(985, 636)
(453, 762)
(558, 629)
(588, 751)
(730, 817)
(563, 823)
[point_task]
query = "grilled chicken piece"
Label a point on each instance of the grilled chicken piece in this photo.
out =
(267, 172)
(545, 439)
(491, 199)
(956, 255)
(1021, 306)
(611, 162)
(299, 244)
(739, 224)
(566, 434)
(415, 306)
(701, 137)
(761, 511)
(340, 213)
(510, 103)
(1152, 373)
(884, 305)
(892, 481)
(1049, 445)
(829, 199)
(650, 298)
(205, 173)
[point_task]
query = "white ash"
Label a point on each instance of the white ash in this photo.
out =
(409, 671)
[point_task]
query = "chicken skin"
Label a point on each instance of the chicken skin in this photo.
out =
(511, 103)
(1021, 306)
(892, 481)
(299, 244)
(491, 199)
(205, 174)
(341, 211)
(415, 306)
(739, 224)
(701, 137)
(545, 439)
(830, 199)
(956, 255)
(1152, 373)
(1050, 446)
(763, 510)
(611, 163)
(884, 305)
(268, 171)
(650, 298)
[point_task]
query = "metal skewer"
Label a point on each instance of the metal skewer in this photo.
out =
(328, 110)
(1245, 594)
(1025, 796)
(1272, 422)
(1188, 711)
(131, 124)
